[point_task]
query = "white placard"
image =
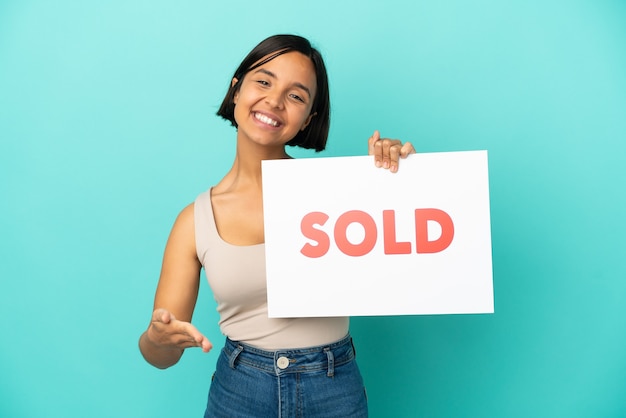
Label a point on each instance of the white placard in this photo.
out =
(344, 238)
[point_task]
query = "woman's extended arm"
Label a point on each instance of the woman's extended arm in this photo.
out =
(170, 330)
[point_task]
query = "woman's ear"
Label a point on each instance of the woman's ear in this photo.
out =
(307, 121)
(232, 84)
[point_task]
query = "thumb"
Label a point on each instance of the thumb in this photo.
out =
(371, 141)
(162, 315)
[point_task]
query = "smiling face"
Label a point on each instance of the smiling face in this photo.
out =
(274, 100)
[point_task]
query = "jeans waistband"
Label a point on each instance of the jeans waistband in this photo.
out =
(300, 360)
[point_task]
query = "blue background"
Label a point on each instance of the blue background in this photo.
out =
(107, 130)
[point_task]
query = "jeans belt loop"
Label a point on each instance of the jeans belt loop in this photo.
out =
(331, 362)
(233, 356)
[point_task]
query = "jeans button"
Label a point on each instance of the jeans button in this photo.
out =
(282, 363)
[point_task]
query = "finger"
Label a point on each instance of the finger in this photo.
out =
(381, 152)
(183, 342)
(371, 141)
(394, 157)
(387, 145)
(199, 340)
(407, 149)
(386, 153)
(205, 345)
(192, 332)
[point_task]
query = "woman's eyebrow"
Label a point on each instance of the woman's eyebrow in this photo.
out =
(271, 74)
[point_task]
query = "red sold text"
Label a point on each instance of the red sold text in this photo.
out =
(391, 245)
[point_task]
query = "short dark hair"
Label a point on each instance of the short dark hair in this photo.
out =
(314, 136)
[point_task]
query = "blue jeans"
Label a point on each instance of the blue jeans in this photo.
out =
(311, 382)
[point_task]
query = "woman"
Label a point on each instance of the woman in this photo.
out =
(269, 367)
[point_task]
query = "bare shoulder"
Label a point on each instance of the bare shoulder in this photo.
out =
(185, 218)
(183, 231)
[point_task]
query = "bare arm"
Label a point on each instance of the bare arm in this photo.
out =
(170, 330)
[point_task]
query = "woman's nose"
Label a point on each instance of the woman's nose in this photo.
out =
(275, 100)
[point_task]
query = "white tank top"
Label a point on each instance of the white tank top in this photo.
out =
(236, 275)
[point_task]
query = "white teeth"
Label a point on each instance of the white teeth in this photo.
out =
(265, 119)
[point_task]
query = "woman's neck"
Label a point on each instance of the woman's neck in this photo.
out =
(246, 169)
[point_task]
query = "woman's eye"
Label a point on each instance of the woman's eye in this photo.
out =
(298, 98)
(263, 82)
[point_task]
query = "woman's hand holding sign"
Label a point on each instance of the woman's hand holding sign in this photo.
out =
(387, 152)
